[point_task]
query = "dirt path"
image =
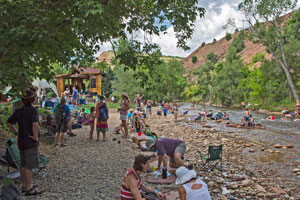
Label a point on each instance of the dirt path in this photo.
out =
(87, 169)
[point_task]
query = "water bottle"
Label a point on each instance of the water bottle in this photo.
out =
(164, 173)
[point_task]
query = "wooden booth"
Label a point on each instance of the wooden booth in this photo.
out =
(86, 80)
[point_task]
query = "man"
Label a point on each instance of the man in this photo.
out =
(246, 117)
(74, 96)
(28, 137)
(173, 148)
(61, 115)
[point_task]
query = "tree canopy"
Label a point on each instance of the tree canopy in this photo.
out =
(34, 34)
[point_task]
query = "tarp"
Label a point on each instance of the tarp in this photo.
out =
(41, 84)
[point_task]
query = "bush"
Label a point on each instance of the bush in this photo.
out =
(214, 41)
(236, 30)
(228, 36)
(203, 44)
(194, 59)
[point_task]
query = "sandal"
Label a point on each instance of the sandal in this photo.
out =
(23, 188)
(33, 191)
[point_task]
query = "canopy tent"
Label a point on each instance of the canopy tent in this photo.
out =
(43, 84)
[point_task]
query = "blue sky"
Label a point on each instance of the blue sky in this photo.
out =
(206, 29)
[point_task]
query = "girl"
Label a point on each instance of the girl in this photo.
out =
(92, 117)
(124, 107)
(102, 117)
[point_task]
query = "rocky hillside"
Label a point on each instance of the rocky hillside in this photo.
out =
(220, 48)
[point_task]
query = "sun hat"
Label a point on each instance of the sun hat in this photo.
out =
(150, 143)
(184, 175)
(124, 95)
(131, 110)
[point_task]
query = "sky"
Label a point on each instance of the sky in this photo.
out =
(206, 29)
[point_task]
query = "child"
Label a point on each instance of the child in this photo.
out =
(159, 109)
(203, 114)
(91, 118)
(165, 111)
(137, 124)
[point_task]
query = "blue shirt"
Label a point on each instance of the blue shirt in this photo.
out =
(130, 115)
(67, 111)
(74, 94)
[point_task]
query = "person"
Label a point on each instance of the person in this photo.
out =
(203, 114)
(61, 116)
(43, 98)
(28, 140)
(243, 104)
(149, 106)
(168, 147)
(209, 114)
(124, 107)
(138, 102)
(138, 124)
(246, 117)
(285, 111)
(113, 99)
(271, 117)
(166, 106)
(92, 117)
(130, 117)
(251, 121)
(74, 96)
(175, 111)
(71, 122)
(219, 115)
(67, 92)
(192, 188)
(198, 118)
(165, 111)
(289, 116)
(102, 117)
(82, 118)
(132, 186)
(159, 110)
(51, 125)
(226, 116)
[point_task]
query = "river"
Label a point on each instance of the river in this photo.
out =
(278, 131)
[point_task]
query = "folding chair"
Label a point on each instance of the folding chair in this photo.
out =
(213, 157)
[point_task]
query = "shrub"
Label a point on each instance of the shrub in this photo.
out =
(203, 44)
(194, 59)
(228, 36)
(214, 41)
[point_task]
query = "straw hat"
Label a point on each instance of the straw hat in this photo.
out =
(150, 143)
(184, 175)
(124, 95)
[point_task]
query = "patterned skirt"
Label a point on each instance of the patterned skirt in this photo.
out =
(102, 125)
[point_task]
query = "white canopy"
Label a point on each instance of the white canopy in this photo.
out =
(41, 84)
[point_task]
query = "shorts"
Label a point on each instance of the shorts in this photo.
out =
(180, 149)
(246, 118)
(123, 117)
(62, 127)
(29, 158)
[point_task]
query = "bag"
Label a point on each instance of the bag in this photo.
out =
(102, 113)
(9, 192)
(59, 113)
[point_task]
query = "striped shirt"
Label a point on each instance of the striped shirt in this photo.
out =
(125, 193)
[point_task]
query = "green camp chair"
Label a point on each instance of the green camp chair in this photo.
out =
(213, 157)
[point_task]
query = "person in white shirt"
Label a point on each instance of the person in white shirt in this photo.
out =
(192, 188)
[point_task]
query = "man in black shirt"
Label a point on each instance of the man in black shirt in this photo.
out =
(28, 136)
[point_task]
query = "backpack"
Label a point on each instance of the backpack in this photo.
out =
(102, 113)
(59, 113)
(9, 192)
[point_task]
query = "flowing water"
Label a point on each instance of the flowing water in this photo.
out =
(278, 131)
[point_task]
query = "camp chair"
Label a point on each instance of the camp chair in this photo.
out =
(213, 157)
(13, 158)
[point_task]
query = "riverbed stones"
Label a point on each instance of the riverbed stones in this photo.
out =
(296, 170)
(278, 146)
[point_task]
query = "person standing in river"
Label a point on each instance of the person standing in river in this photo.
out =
(246, 117)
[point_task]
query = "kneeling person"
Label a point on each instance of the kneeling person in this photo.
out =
(168, 147)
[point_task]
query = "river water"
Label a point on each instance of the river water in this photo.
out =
(278, 131)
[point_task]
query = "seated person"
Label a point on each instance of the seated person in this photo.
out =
(138, 124)
(83, 117)
(251, 121)
(51, 125)
(285, 111)
(219, 115)
(118, 129)
(203, 114)
(70, 124)
(226, 116)
(132, 186)
(289, 116)
(198, 118)
(192, 188)
(209, 114)
(168, 147)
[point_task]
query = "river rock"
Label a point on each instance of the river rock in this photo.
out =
(260, 195)
(219, 181)
(289, 146)
(296, 170)
(251, 150)
(278, 146)
(210, 184)
(260, 188)
(246, 182)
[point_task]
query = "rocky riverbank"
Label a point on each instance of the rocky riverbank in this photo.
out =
(93, 170)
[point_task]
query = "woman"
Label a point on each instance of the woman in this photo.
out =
(132, 184)
(192, 188)
(124, 107)
(102, 117)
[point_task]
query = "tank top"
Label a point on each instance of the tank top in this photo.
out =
(201, 193)
(125, 193)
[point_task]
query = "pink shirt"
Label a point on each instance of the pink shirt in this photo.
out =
(124, 107)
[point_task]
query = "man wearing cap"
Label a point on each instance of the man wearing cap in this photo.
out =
(173, 148)
(28, 136)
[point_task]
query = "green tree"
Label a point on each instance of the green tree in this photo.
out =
(34, 34)
(228, 36)
(271, 35)
(107, 80)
